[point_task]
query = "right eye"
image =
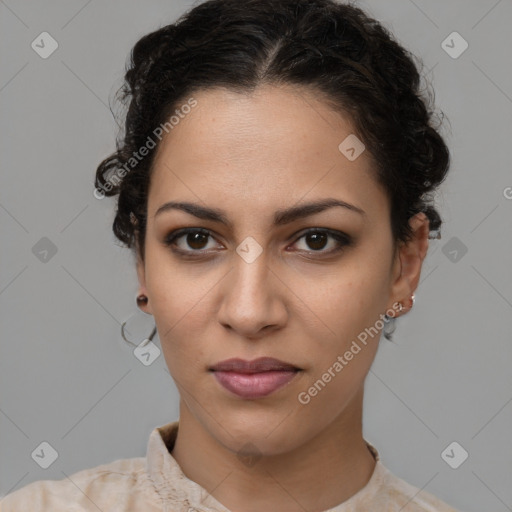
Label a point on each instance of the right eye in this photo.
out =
(188, 240)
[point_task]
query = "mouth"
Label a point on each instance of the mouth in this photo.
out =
(254, 379)
(262, 364)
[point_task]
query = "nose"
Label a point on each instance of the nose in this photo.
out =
(253, 299)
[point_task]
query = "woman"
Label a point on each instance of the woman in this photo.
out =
(275, 182)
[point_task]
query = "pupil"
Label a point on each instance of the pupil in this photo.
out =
(194, 240)
(316, 240)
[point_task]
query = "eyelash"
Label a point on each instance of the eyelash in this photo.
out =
(342, 239)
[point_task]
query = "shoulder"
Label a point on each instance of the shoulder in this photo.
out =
(408, 498)
(119, 485)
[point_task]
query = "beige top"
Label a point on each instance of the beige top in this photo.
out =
(157, 483)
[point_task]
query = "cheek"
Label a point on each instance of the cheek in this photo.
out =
(179, 300)
(342, 346)
(345, 301)
(347, 304)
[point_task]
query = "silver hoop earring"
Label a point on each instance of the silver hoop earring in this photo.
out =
(144, 342)
(389, 327)
(389, 324)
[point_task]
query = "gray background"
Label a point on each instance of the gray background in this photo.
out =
(66, 375)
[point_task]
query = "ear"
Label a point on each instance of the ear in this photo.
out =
(408, 261)
(141, 275)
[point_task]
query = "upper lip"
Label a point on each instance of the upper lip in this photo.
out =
(262, 364)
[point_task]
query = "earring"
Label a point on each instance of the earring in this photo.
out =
(412, 302)
(142, 299)
(143, 343)
(389, 321)
(389, 326)
(401, 306)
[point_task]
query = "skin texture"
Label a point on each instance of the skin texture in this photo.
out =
(251, 155)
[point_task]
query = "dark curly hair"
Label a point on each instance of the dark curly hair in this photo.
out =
(334, 49)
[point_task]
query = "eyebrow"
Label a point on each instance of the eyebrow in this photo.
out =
(281, 217)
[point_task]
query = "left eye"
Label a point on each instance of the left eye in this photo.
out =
(318, 239)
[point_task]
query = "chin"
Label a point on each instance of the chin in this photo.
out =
(260, 433)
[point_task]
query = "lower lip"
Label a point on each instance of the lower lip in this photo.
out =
(254, 385)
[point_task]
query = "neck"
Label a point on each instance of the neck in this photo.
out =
(317, 475)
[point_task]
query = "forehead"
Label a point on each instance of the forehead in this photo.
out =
(263, 150)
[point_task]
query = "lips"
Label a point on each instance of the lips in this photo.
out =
(262, 364)
(254, 379)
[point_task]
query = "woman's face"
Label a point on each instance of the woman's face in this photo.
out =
(257, 285)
